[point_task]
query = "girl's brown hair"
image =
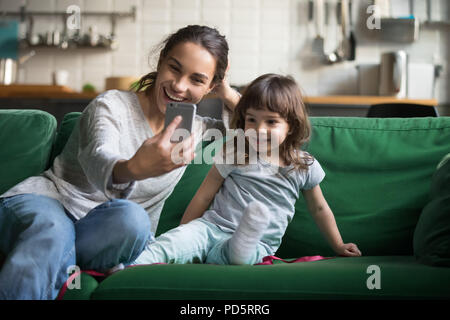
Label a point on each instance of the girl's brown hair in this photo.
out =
(280, 94)
(208, 38)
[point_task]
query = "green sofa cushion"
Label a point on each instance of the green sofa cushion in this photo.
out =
(26, 137)
(338, 278)
(64, 132)
(88, 284)
(432, 234)
(378, 174)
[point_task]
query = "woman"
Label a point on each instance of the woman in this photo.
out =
(92, 207)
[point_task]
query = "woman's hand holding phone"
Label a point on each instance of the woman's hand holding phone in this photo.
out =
(156, 156)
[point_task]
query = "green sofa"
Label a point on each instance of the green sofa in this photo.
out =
(379, 174)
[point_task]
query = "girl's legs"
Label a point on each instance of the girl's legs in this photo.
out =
(220, 254)
(202, 241)
(243, 244)
(112, 233)
(38, 240)
(188, 243)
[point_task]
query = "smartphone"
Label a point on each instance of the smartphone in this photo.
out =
(187, 111)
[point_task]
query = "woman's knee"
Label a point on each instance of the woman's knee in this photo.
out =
(131, 217)
(112, 233)
(117, 221)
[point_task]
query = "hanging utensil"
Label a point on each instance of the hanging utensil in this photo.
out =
(318, 42)
(336, 55)
(351, 39)
(342, 52)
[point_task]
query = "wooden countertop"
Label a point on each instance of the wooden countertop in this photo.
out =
(366, 100)
(43, 92)
(62, 92)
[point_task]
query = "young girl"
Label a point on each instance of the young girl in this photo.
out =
(253, 203)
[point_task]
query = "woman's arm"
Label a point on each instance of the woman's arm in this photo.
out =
(324, 218)
(228, 95)
(205, 194)
(98, 150)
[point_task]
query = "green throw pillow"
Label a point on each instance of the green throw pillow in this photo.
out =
(65, 130)
(26, 140)
(432, 234)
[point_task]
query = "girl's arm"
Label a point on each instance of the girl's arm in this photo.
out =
(205, 194)
(324, 218)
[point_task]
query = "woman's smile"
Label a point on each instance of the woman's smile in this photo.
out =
(172, 97)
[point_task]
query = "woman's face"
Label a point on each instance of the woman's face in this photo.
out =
(184, 75)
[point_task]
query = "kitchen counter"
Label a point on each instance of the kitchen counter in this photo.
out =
(42, 92)
(62, 92)
(59, 100)
(365, 100)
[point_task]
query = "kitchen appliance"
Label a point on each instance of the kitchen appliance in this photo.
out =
(394, 74)
(397, 30)
(421, 80)
(368, 79)
(9, 68)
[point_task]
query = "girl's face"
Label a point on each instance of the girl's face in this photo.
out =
(271, 129)
(184, 75)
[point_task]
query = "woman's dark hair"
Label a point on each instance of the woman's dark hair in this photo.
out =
(280, 94)
(207, 37)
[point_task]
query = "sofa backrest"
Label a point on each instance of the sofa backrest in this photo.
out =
(378, 174)
(26, 140)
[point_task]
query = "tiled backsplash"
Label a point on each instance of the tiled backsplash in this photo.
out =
(264, 36)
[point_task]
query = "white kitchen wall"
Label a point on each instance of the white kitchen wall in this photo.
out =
(264, 36)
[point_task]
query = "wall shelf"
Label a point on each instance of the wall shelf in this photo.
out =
(64, 42)
(23, 14)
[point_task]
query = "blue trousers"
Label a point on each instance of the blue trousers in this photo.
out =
(41, 241)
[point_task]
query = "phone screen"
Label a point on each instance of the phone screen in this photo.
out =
(187, 111)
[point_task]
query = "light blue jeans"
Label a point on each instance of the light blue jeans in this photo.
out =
(41, 240)
(198, 241)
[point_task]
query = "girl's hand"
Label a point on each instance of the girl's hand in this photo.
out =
(348, 250)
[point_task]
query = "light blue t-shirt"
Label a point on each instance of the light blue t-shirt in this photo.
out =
(274, 186)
